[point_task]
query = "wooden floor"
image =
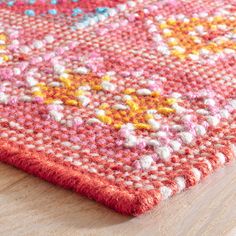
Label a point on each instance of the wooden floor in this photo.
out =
(30, 206)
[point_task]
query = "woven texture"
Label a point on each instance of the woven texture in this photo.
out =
(126, 102)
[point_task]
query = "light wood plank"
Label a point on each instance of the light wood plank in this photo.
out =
(30, 206)
(9, 176)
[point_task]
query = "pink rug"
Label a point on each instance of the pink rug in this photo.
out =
(126, 102)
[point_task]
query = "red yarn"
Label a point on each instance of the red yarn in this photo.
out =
(125, 102)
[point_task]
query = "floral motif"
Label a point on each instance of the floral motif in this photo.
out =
(199, 35)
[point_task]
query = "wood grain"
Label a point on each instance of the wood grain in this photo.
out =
(30, 206)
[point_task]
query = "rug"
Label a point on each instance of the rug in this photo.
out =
(125, 102)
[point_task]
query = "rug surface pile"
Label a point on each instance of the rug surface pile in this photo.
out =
(126, 102)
